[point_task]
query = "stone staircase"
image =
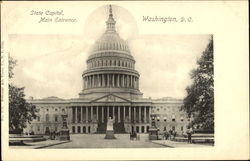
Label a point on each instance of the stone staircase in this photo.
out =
(118, 128)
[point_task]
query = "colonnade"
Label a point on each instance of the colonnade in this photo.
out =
(132, 114)
(111, 80)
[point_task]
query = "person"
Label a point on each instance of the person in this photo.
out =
(189, 133)
(174, 134)
(167, 135)
(170, 134)
(135, 135)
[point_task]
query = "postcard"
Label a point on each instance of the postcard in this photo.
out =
(124, 80)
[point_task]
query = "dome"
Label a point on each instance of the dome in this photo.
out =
(110, 40)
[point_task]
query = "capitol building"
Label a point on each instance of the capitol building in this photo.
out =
(111, 88)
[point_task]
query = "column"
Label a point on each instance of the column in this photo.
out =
(81, 114)
(91, 113)
(145, 114)
(90, 82)
(150, 112)
(73, 119)
(134, 83)
(129, 113)
(107, 80)
(97, 118)
(100, 80)
(87, 82)
(87, 111)
(137, 83)
(134, 113)
(124, 113)
(128, 81)
(131, 81)
(102, 84)
(118, 80)
(107, 112)
(122, 80)
(93, 81)
(83, 84)
(139, 114)
(76, 115)
(113, 80)
(102, 114)
(97, 80)
(113, 112)
(119, 120)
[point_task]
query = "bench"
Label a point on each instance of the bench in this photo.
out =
(202, 138)
(20, 139)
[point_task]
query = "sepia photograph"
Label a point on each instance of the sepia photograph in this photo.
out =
(111, 76)
(111, 110)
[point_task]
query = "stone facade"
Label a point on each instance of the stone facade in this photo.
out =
(110, 89)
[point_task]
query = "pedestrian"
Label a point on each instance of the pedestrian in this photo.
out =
(189, 133)
(174, 134)
(170, 134)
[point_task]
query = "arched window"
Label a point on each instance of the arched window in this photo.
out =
(56, 118)
(173, 117)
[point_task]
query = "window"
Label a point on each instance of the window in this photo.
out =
(78, 129)
(158, 109)
(56, 109)
(47, 109)
(181, 128)
(63, 110)
(173, 118)
(38, 128)
(182, 118)
(158, 118)
(56, 128)
(56, 118)
(165, 119)
(38, 118)
(47, 117)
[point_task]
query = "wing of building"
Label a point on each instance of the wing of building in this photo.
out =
(110, 89)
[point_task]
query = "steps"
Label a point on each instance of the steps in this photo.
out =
(118, 128)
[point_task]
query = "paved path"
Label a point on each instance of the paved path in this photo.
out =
(38, 145)
(175, 144)
(98, 141)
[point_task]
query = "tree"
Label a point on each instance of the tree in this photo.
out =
(20, 111)
(199, 102)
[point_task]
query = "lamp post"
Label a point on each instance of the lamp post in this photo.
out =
(64, 132)
(153, 131)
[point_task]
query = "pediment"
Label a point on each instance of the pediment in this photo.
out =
(110, 98)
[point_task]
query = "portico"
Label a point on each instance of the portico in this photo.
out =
(126, 115)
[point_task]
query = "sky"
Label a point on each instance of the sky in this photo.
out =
(52, 64)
